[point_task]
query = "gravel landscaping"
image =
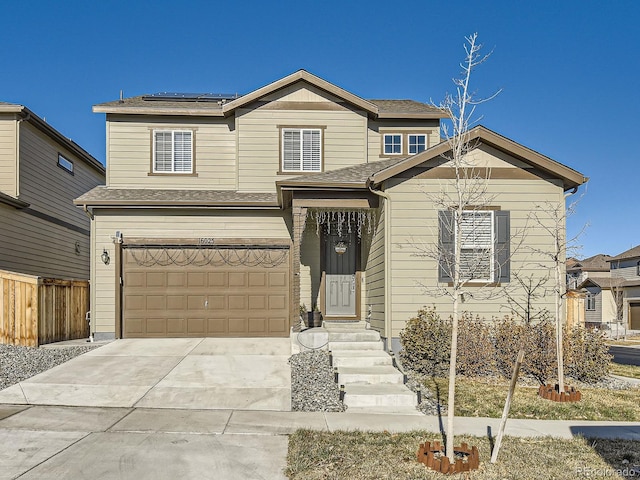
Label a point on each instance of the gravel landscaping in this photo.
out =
(312, 386)
(20, 363)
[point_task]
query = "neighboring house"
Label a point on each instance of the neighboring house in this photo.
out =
(592, 278)
(42, 233)
(222, 214)
(627, 266)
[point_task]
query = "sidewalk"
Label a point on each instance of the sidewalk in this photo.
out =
(141, 443)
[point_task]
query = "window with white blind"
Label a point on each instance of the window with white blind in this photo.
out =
(476, 252)
(301, 150)
(485, 246)
(173, 151)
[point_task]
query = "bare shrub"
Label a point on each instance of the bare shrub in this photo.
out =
(586, 354)
(509, 336)
(426, 343)
(476, 353)
(540, 351)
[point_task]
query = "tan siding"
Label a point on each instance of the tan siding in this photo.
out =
(344, 143)
(378, 127)
(37, 247)
(8, 156)
(374, 275)
(300, 92)
(415, 224)
(130, 147)
(153, 224)
(47, 187)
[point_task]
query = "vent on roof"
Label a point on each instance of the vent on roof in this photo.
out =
(192, 97)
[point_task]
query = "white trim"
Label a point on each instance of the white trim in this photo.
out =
(409, 135)
(384, 143)
(485, 249)
(173, 133)
(301, 132)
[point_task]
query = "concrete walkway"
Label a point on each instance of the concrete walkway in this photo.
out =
(209, 373)
(42, 442)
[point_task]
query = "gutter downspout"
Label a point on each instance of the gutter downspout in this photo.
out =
(26, 117)
(387, 263)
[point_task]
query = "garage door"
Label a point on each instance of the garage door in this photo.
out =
(634, 316)
(205, 292)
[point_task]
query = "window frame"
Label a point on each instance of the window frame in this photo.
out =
(173, 171)
(384, 143)
(423, 135)
(590, 302)
(300, 130)
(484, 248)
(69, 169)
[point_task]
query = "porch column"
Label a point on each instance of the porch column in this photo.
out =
(299, 219)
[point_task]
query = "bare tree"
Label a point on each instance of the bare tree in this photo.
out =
(551, 217)
(465, 252)
(533, 288)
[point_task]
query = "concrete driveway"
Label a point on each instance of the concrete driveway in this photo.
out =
(199, 373)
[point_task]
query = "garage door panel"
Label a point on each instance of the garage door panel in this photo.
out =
(278, 279)
(187, 298)
(176, 279)
(634, 316)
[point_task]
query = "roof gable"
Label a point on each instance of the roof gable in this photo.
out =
(570, 178)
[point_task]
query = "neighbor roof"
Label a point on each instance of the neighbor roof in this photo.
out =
(597, 263)
(129, 197)
(28, 116)
(375, 108)
(603, 282)
(631, 253)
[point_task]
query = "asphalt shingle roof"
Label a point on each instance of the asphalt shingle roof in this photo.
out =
(631, 253)
(127, 196)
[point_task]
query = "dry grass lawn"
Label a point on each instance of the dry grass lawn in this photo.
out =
(631, 371)
(485, 398)
(364, 455)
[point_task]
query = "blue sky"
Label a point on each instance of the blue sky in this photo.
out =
(569, 70)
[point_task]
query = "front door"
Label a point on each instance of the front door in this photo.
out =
(341, 253)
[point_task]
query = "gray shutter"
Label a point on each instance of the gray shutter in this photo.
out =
(503, 254)
(445, 245)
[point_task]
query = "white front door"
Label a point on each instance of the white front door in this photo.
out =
(340, 275)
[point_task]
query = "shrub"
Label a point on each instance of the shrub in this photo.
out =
(586, 355)
(426, 343)
(541, 357)
(509, 335)
(475, 349)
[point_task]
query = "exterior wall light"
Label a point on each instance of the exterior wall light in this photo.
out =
(105, 257)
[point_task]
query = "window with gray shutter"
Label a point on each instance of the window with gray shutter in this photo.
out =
(484, 255)
(301, 150)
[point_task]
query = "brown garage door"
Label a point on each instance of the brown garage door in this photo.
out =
(634, 316)
(205, 292)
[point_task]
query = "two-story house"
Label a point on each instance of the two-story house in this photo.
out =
(42, 232)
(223, 213)
(627, 267)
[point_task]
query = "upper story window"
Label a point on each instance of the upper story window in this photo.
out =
(638, 268)
(393, 144)
(172, 151)
(301, 150)
(65, 164)
(417, 143)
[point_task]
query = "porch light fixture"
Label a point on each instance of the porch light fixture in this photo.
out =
(105, 257)
(340, 247)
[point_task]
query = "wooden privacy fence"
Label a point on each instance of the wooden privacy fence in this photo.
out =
(36, 310)
(575, 308)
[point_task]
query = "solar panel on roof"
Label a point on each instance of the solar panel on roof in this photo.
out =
(192, 97)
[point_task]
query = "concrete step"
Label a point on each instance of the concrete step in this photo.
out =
(381, 374)
(381, 410)
(354, 336)
(360, 358)
(365, 345)
(338, 326)
(362, 395)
